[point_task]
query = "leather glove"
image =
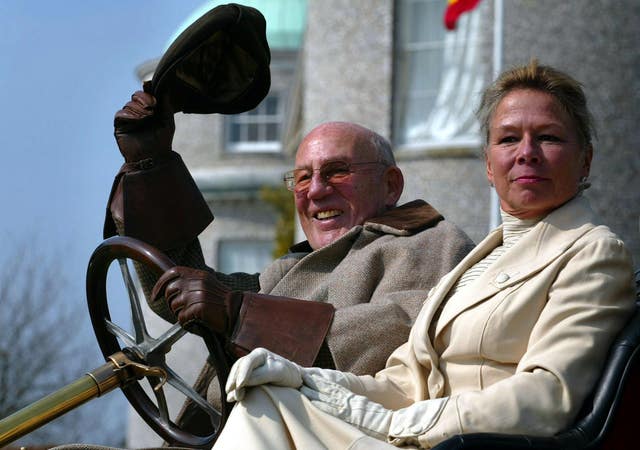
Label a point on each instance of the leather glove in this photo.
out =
(401, 427)
(143, 128)
(261, 367)
(153, 197)
(197, 297)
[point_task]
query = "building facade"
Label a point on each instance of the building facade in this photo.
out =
(390, 65)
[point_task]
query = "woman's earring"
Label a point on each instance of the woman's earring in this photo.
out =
(583, 184)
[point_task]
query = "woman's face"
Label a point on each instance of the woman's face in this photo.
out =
(534, 158)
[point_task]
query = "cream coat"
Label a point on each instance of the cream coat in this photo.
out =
(516, 351)
(519, 349)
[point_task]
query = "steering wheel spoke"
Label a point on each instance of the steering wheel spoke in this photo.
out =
(118, 331)
(178, 383)
(163, 407)
(165, 341)
(139, 324)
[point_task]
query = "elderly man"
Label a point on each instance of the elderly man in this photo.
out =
(370, 259)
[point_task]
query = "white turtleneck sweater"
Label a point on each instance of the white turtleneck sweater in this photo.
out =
(512, 231)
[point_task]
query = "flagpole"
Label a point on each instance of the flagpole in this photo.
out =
(498, 9)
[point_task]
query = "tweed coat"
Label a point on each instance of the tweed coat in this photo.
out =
(375, 276)
(515, 351)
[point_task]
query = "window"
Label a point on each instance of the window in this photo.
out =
(247, 255)
(438, 76)
(258, 130)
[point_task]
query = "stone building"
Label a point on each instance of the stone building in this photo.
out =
(391, 65)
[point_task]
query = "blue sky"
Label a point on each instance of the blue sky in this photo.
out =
(67, 67)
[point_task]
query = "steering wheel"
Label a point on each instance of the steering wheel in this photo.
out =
(146, 350)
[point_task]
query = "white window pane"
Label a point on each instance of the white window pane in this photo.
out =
(253, 132)
(419, 21)
(257, 130)
(422, 64)
(271, 106)
(272, 132)
(235, 132)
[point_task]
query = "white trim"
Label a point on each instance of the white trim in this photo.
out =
(498, 19)
(471, 143)
(255, 147)
(245, 177)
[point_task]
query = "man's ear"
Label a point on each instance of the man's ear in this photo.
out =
(394, 181)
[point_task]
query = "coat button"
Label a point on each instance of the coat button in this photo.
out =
(416, 429)
(502, 277)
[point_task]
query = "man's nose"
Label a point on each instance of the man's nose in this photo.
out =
(528, 151)
(318, 187)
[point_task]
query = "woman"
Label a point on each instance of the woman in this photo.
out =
(511, 341)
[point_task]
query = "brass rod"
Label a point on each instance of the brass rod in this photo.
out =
(94, 384)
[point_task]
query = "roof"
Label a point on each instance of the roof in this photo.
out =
(286, 20)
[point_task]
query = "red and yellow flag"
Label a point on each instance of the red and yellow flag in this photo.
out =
(455, 8)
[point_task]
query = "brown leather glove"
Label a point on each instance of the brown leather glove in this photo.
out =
(197, 297)
(290, 327)
(153, 197)
(144, 129)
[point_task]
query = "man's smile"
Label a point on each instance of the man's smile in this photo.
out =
(328, 214)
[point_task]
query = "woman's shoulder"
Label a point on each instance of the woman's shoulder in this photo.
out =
(600, 243)
(603, 232)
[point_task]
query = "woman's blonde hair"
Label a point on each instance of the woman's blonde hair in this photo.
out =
(542, 78)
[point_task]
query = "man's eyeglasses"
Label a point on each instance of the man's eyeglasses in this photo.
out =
(333, 172)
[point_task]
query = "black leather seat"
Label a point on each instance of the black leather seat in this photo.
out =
(608, 417)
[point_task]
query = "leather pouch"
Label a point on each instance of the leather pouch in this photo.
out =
(294, 329)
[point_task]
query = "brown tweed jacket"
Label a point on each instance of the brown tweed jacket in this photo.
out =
(377, 276)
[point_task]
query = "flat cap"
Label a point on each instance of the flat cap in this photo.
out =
(219, 64)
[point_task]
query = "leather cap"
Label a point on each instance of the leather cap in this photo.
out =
(219, 64)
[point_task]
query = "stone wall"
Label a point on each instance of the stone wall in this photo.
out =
(348, 63)
(596, 41)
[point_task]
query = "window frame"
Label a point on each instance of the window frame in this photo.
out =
(260, 118)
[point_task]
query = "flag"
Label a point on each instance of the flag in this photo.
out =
(455, 8)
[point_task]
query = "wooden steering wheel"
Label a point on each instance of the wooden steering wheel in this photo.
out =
(147, 351)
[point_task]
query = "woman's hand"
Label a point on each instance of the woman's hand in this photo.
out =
(261, 367)
(401, 427)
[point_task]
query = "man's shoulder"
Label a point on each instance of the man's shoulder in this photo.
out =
(407, 219)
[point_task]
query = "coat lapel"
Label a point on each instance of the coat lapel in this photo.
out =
(422, 344)
(544, 243)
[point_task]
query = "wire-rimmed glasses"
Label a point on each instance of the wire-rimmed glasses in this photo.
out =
(332, 172)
